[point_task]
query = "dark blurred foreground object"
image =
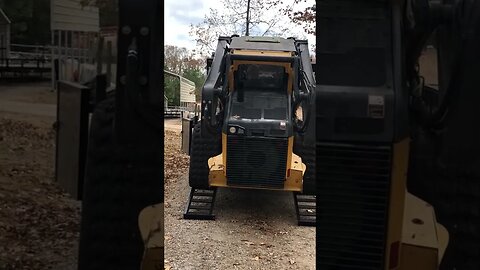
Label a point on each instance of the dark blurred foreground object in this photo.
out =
(384, 135)
(122, 196)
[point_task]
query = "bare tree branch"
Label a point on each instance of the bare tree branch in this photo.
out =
(266, 18)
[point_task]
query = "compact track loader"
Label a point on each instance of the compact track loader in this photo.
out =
(257, 104)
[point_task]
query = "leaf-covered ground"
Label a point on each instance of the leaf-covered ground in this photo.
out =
(38, 223)
(175, 162)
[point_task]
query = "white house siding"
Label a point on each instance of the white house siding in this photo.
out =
(187, 91)
(69, 15)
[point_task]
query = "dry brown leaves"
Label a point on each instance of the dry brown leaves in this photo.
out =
(176, 162)
(19, 132)
(38, 222)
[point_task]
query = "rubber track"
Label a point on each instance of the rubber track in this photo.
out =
(202, 148)
(457, 208)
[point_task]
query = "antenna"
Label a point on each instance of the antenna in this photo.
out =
(248, 18)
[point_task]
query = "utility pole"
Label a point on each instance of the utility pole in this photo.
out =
(248, 18)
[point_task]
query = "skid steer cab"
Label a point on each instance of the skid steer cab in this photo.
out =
(255, 127)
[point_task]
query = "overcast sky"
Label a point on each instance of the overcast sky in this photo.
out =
(180, 14)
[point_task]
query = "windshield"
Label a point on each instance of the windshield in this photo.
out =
(260, 93)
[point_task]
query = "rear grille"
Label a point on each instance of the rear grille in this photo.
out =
(256, 162)
(353, 189)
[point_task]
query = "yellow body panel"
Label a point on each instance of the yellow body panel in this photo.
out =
(294, 181)
(423, 240)
(411, 223)
(224, 149)
(217, 176)
(151, 226)
(397, 197)
(418, 258)
(289, 154)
